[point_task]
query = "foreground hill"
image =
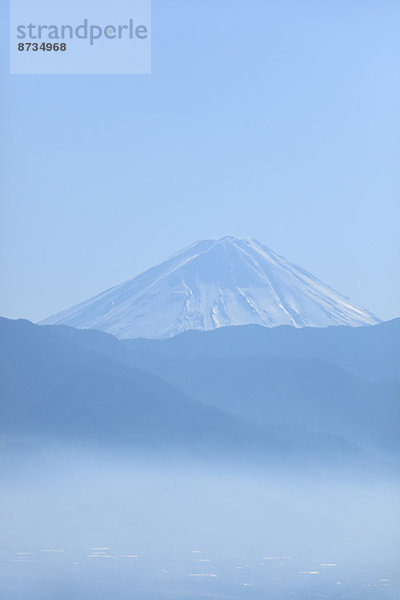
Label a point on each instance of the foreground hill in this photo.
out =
(337, 380)
(55, 388)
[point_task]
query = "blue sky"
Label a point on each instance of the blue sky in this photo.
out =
(273, 120)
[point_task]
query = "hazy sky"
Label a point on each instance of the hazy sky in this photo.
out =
(277, 120)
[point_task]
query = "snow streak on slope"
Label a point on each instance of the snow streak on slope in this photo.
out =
(215, 283)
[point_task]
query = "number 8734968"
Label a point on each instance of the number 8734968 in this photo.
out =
(45, 47)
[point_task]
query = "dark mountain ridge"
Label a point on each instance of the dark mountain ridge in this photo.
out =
(55, 389)
(237, 389)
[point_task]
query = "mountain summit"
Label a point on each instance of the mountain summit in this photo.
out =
(215, 283)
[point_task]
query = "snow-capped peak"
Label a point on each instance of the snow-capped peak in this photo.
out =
(215, 283)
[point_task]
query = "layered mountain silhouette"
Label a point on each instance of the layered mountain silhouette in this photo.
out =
(338, 380)
(249, 391)
(212, 284)
(55, 386)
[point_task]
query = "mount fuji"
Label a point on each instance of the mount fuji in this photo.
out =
(211, 284)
